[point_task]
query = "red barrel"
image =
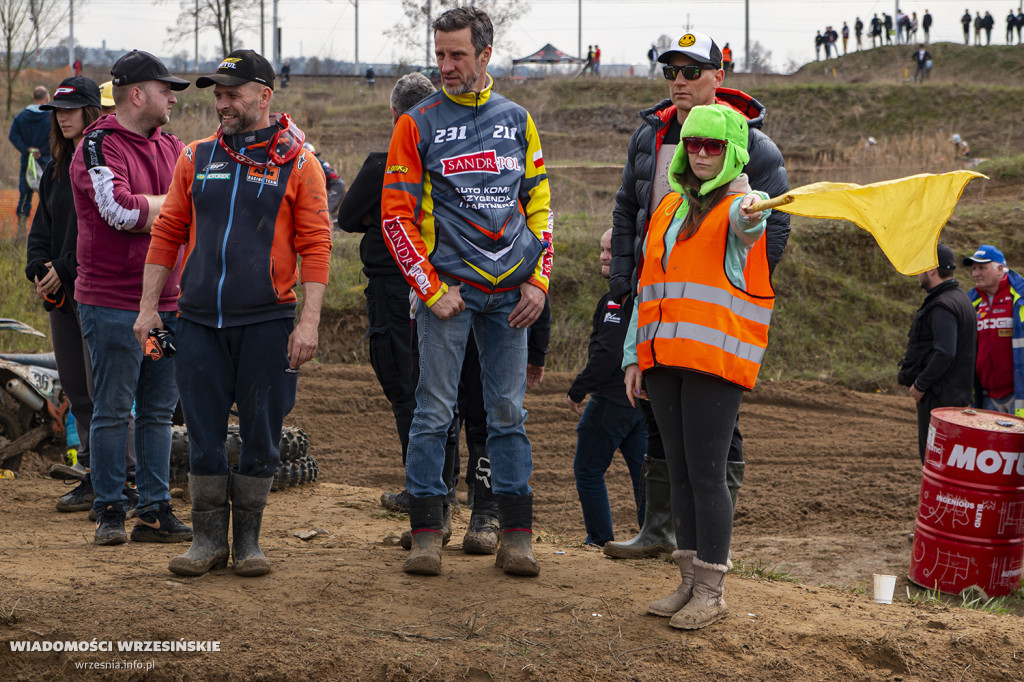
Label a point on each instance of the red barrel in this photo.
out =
(970, 519)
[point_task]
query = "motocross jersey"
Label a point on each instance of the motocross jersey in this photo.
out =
(466, 195)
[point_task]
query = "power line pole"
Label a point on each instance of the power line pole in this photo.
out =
(746, 45)
(356, 3)
(579, 28)
(276, 34)
(196, 37)
(263, 25)
(71, 35)
(427, 63)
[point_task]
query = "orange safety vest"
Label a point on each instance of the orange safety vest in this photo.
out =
(689, 314)
(727, 54)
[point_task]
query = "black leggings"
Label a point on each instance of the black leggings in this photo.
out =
(696, 414)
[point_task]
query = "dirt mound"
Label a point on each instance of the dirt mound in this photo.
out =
(830, 494)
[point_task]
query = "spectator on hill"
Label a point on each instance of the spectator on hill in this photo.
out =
(876, 31)
(588, 66)
(923, 60)
(998, 295)
(833, 41)
(858, 30)
(652, 57)
(965, 20)
(78, 67)
(695, 78)
(1011, 21)
(938, 366)
(597, 60)
(846, 37)
(1019, 24)
(371, 77)
(819, 40)
(608, 422)
(30, 135)
(912, 36)
(727, 58)
(286, 74)
(826, 41)
(979, 24)
(887, 20)
(901, 27)
(988, 22)
(926, 25)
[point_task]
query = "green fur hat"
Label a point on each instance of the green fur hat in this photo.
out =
(717, 122)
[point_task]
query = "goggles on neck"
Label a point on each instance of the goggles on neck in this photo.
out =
(282, 147)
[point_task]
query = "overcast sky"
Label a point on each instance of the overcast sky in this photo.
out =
(623, 28)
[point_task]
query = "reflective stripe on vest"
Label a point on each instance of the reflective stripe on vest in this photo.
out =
(689, 314)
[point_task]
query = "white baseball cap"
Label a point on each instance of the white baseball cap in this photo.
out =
(698, 47)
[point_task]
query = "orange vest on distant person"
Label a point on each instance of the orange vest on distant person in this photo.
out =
(689, 314)
(727, 54)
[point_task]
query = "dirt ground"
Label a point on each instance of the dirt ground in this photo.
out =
(830, 494)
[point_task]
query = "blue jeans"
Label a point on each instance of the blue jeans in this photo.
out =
(121, 376)
(503, 369)
(603, 428)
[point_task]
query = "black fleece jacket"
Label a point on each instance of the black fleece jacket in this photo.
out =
(54, 233)
(765, 171)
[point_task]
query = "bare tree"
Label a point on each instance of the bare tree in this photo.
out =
(24, 26)
(412, 28)
(760, 59)
(228, 18)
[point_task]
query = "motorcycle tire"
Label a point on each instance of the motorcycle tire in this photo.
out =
(289, 474)
(10, 430)
(293, 446)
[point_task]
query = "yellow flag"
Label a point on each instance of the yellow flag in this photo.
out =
(905, 215)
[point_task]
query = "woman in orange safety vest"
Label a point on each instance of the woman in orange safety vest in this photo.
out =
(696, 340)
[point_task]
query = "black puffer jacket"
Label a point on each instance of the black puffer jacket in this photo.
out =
(765, 171)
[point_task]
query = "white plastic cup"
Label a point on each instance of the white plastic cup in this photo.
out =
(885, 585)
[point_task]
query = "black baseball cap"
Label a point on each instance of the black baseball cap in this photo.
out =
(947, 261)
(138, 67)
(74, 93)
(241, 66)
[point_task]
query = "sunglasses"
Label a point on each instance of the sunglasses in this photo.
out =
(693, 145)
(691, 72)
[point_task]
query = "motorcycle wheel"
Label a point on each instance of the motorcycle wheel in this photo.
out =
(10, 429)
(289, 474)
(293, 446)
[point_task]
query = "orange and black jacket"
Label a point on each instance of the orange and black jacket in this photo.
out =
(243, 228)
(466, 195)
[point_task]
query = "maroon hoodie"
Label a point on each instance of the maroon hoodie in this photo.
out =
(111, 170)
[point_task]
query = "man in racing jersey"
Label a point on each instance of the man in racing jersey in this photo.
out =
(465, 212)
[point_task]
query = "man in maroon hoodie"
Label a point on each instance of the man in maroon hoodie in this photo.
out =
(120, 174)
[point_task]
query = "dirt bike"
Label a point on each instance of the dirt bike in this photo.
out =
(33, 406)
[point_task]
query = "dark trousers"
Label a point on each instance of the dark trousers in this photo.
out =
(655, 449)
(247, 366)
(394, 356)
(604, 428)
(393, 350)
(75, 370)
(697, 414)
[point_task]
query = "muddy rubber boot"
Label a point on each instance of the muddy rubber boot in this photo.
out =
(707, 604)
(734, 480)
(515, 550)
(210, 517)
(446, 528)
(248, 499)
(667, 606)
(482, 535)
(657, 535)
(426, 516)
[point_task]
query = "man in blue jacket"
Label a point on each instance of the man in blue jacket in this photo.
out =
(30, 135)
